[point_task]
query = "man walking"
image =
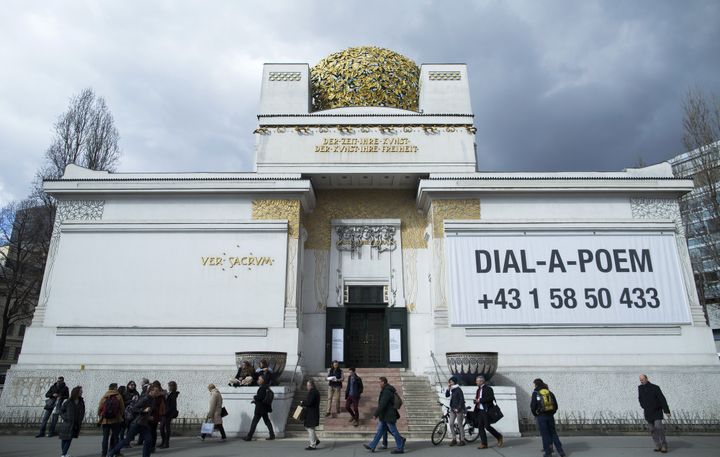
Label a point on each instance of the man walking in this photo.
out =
(387, 416)
(457, 411)
(263, 406)
(352, 396)
(334, 378)
(484, 400)
(55, 397)
(142, 411)
(654, 404)
(543, 405)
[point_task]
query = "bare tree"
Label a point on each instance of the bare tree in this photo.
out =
(24, 233)
(701, 208)
(85, 135)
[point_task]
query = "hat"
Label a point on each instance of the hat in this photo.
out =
(454, 380)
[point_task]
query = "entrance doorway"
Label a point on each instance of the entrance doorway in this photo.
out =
(366, 338)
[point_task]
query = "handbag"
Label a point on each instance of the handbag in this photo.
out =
(494, 413)
(299, 413)
(207, 428)
(49, 404)
(223, 412)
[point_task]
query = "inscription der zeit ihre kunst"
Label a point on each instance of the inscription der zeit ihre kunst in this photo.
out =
(372, 145)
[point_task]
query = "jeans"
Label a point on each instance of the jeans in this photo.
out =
(165, 429)
(110, 433)
(381, 425)
(46, 415)
(65, 446)
(351, 405)
(657, 431)
(546, 426)
(134, 429)
(312, 436)
(266, 420)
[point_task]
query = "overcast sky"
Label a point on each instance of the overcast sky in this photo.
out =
(556, 85)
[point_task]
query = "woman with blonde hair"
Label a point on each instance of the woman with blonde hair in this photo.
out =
(214, 414)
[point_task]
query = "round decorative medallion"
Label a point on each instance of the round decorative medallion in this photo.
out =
(365, 76)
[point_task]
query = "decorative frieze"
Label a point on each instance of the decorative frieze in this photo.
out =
(279, 209)
(385, 129)
(284, 76)
(658, 208)
(353, 237)
(444, 76)
(442, 210)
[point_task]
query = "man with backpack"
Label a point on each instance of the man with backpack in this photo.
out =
(543, 406)
(387, 415)
(111, 416)
(263, 406)
(653, 403)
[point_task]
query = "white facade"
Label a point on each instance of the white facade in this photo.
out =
(168, 275)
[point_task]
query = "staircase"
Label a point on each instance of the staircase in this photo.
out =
(418, 415)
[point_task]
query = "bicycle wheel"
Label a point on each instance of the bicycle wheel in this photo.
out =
(471, 432)
(438, 433)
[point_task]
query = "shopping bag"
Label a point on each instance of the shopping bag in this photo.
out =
(494, 414)
(299, 413)
(207, 427)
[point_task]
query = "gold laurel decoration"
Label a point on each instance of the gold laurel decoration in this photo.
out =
(443, 210)
(368, 204)
(279, 209)
(365, 76)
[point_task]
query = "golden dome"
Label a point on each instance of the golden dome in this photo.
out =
(365, 76)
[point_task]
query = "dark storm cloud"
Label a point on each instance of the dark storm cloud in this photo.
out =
(556, 85)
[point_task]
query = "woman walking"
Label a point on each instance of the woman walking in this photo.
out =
(312, 414)
(214, 414)
(72, 413)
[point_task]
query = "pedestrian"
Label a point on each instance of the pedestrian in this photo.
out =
(543, 406)
(457, 411)
(334, 378)
(214, 414)
(144, 386)
(387, 416)
(352, 396)
(312, 414)
(129, 394)
(142, 410)
(158, 411)
(484, 400)
(73, 413)
(111, 417)
(654, 404)
(171, 412)
(263, 406)
(54, 399)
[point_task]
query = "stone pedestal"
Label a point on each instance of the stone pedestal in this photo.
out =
(506, 398)
(241, 411)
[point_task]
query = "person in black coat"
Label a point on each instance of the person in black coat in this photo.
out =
(73, 413)
(654, 404)
(55, 397)
(142, 415)
(262, 409)
(457, 410)
(484, 400)
(171, 412)
(312, 414)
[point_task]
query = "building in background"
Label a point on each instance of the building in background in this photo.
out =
(702, 225)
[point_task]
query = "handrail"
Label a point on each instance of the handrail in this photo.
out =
(297, 364)
(438, 369)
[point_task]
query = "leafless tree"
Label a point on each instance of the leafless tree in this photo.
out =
(701, 209)
(85, 135)
(24, 235)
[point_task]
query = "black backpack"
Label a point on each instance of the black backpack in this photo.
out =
(269, 397)
(111, 407)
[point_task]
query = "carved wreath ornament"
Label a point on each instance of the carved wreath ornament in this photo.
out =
(354, 237)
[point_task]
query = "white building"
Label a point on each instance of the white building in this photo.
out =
(367, 234)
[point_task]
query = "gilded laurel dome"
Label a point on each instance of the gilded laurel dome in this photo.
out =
(365, 76)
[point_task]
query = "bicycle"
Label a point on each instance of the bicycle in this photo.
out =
(441, 428)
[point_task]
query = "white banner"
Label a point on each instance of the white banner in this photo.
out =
(501, 279)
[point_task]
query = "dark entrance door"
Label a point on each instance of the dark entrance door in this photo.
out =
(366, 338)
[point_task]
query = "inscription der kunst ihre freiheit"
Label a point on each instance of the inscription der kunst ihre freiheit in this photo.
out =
(372, 145)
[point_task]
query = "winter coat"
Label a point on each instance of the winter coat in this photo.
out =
(386, 405)
(652, 401)
(337, 372)
(215, 410)
(457, 398)
(536, 401)
(259, 399)
(487, 398)
(312, 408)
(72, 414)
(119, 414)
(128, 394)
(142, 417)
(171, 410)
(356, 383)
(62, 391)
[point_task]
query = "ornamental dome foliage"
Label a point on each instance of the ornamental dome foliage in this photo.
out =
(365, 76)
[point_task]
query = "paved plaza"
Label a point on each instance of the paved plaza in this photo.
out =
(593, 446)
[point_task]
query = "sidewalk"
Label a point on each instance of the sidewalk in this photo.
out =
(592, 446)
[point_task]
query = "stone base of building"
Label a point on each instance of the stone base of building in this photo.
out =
(241, 411)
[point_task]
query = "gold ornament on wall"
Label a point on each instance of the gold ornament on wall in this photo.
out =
(442, 210)
(279, 210)
(365, 76)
